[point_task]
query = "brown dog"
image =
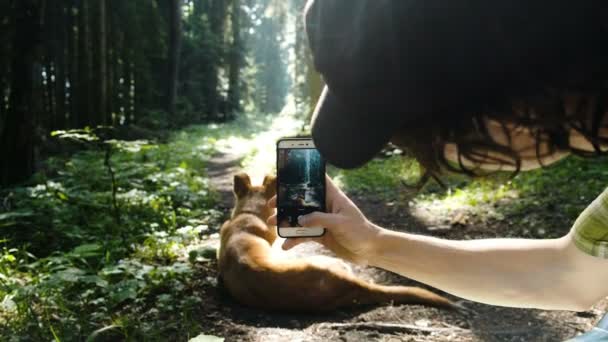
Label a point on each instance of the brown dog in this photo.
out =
(257, 278)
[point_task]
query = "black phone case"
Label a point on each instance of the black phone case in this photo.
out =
(323, 207)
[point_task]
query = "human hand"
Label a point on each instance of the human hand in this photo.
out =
(349, 233)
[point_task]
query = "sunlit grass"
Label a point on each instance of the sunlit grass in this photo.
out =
(533, 201)
(383, 177)
(475, 198)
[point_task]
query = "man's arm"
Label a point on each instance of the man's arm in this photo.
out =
(545, 274)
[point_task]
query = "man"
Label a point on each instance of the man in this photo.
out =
(468, 86)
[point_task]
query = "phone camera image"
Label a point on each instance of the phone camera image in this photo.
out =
(301, 186)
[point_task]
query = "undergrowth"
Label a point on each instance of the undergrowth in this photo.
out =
(92, 246)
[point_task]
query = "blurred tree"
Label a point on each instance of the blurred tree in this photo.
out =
(217, 19)
(85, 80)
(307, 81)
(270, 55)
(235, 61)
(102, 67)
(175, 39)
(17, 136)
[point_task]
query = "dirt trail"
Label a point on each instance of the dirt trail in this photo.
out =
(220, 169)
(226, 318)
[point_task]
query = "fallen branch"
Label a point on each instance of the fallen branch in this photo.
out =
(389, 328)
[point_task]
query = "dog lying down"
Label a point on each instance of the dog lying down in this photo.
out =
(257, 277)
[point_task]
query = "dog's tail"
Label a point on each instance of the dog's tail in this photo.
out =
(369, 293)
(312, 288)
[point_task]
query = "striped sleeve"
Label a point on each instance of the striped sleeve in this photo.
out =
(590, 230)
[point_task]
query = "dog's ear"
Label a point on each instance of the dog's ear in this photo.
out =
(242, 184)
(270, 186)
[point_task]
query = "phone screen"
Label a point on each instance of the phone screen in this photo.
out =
(301, 184)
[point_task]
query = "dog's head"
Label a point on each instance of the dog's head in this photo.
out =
(253, 199)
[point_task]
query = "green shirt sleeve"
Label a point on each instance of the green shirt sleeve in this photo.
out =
(590, 229)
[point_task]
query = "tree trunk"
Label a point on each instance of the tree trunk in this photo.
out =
(125, 97)
(17, 137)
(75, 90)
(60, 62)
(217, 19)
(236, 53)
(6, 26)
(46, 59)
(131, 84)
(102, 117)
(175, 34)
(111, 65)
(85, 113)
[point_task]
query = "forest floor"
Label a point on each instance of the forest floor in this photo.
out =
(446, 217)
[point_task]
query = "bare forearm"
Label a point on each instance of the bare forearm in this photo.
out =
(507, 272)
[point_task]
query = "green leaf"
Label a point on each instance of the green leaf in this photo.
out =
(57, 339)
(98, 332)
(127, 292)
(12, 217)
(88, 250)
(70, 275)
(112, 270)
(76, 134)
(208, 252)
(93, 279)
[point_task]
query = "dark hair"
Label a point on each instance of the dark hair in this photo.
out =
(535, 58)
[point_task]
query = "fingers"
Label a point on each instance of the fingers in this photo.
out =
(273, 202)
(319, 219)
(331, 186)
(292, 242)
(272, 220)
(334, 196)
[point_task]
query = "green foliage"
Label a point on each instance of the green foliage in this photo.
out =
(380, 176)
(111, 271)
(537, 204)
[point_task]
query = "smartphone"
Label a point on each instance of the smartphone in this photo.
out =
(300, 186)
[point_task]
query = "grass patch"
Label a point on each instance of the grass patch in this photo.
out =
(383, 177)
(532, 204)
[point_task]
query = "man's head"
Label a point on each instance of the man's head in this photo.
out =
(461, 84)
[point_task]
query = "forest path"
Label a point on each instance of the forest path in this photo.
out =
(249, 147)
(220, 169)
(255, 154)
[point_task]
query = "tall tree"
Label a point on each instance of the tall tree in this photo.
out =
(74, 78)
(85, 108)
(102, 112)
(17, 136)
(60, 54)
(6, 32)
(175, 37)
(272, 79)
(217, 19)
(235, 61)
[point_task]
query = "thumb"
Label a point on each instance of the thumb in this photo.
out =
(319, 219)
